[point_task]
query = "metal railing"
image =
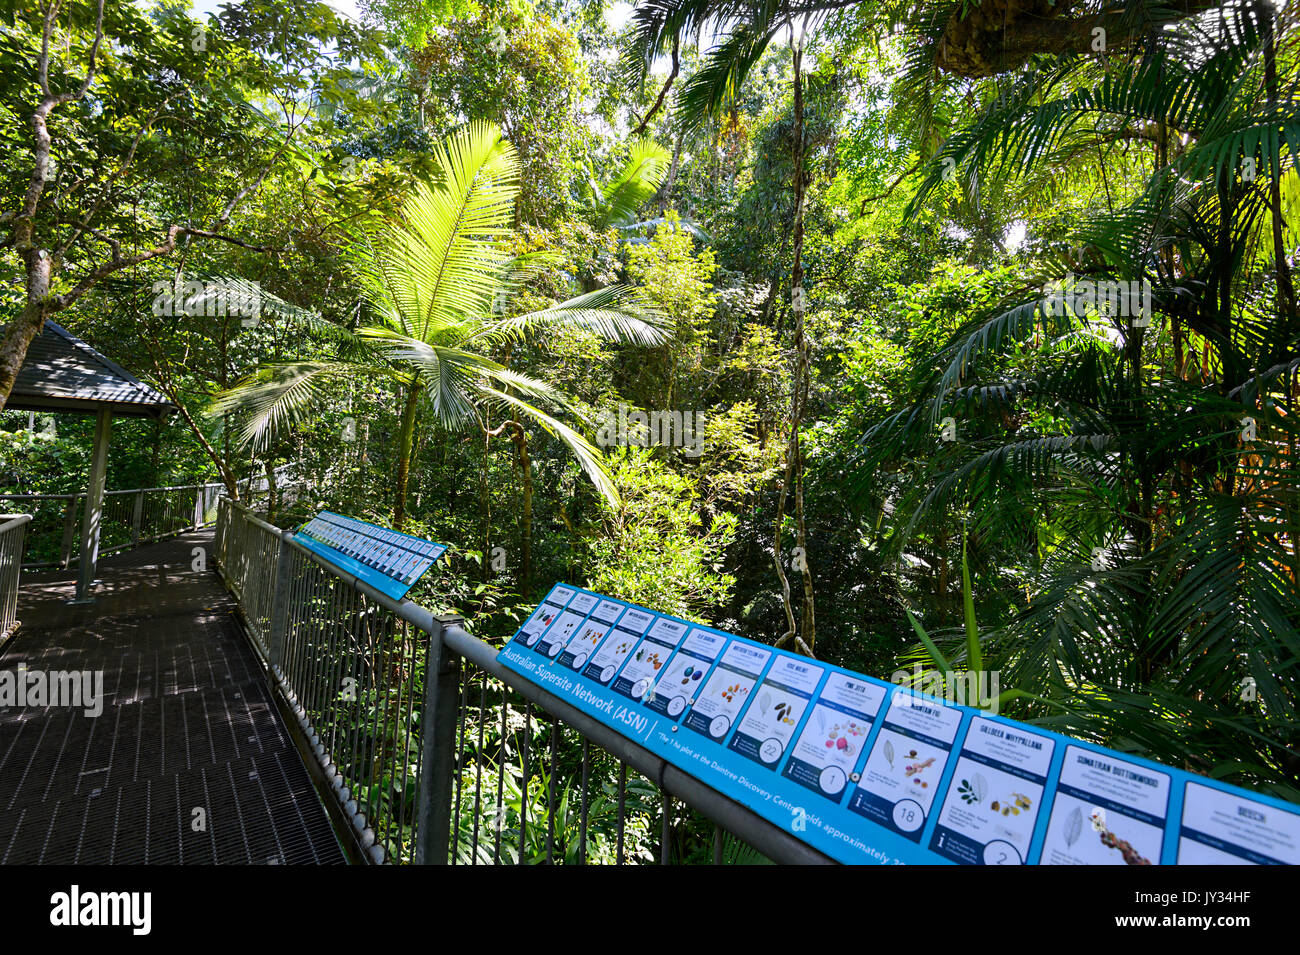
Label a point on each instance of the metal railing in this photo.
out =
(12, 528)
(435, 753)
(130, 518)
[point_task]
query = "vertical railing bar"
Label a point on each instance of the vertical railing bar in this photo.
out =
(582, 824)
(338, 607)
(298, 598)
(373, 760)
(478, 765)
(523, 798)
(550, 792)
(344, 672)
(358, 707)
(459, 755)
(317, 632)
(501, 776)
(307, 689)
(391, 709)
(281, 602)
(293, 613)
(418, 797)
(402, 743)
(320, 638)
(409, 649)
(717, 845)
(321, 677)
(307, 611)
(622, 807)
(665, 832)
(329, 736)
(405, 691)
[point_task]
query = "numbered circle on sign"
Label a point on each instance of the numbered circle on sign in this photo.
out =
(908, 815)
(770, 751)
(607, 674)
(676, 705)
(718, 728)
(999, 852)
(831, 780)
(579, 661)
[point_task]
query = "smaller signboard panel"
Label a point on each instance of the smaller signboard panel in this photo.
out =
(870, 772)
(389, 561)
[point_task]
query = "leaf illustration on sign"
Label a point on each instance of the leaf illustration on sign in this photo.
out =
(981, 787)
(1073, 827)
(889, 753)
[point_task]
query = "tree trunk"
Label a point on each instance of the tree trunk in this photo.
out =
(22, 331)
(272, 491)
(526, 515)
(1285, 289)
(485, 505)
(405, 440)
(804, 633)
(670, 181)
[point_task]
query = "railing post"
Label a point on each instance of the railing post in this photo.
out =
(437, 745)
(137, 512)
(198, 507)
(279, 602)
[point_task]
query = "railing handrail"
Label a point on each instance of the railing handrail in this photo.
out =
(130, 490)
(10, 521)
(12, 532)
(130, 517)
(724, 811)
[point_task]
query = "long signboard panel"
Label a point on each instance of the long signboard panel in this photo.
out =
(389, 561)
(870, 772)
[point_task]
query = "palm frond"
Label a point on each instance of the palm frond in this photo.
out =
(591, 460)
(637, 182)
(617, 313)
(276, 397)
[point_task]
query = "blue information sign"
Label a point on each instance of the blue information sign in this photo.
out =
(870, 772)
(389, 561)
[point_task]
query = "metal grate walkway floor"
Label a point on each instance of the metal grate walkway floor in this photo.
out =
(188, 762)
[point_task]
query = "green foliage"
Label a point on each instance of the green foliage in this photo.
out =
(450, 242)
(655, 549)
(438, 283)
(512, 66)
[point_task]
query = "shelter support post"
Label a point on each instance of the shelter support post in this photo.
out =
(92, 518)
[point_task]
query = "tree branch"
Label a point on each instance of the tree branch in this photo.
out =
(663, 92)
(890, 189)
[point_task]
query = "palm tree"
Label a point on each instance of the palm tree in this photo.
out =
(438, 283)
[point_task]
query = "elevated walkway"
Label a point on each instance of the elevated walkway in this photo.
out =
(188, 761)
